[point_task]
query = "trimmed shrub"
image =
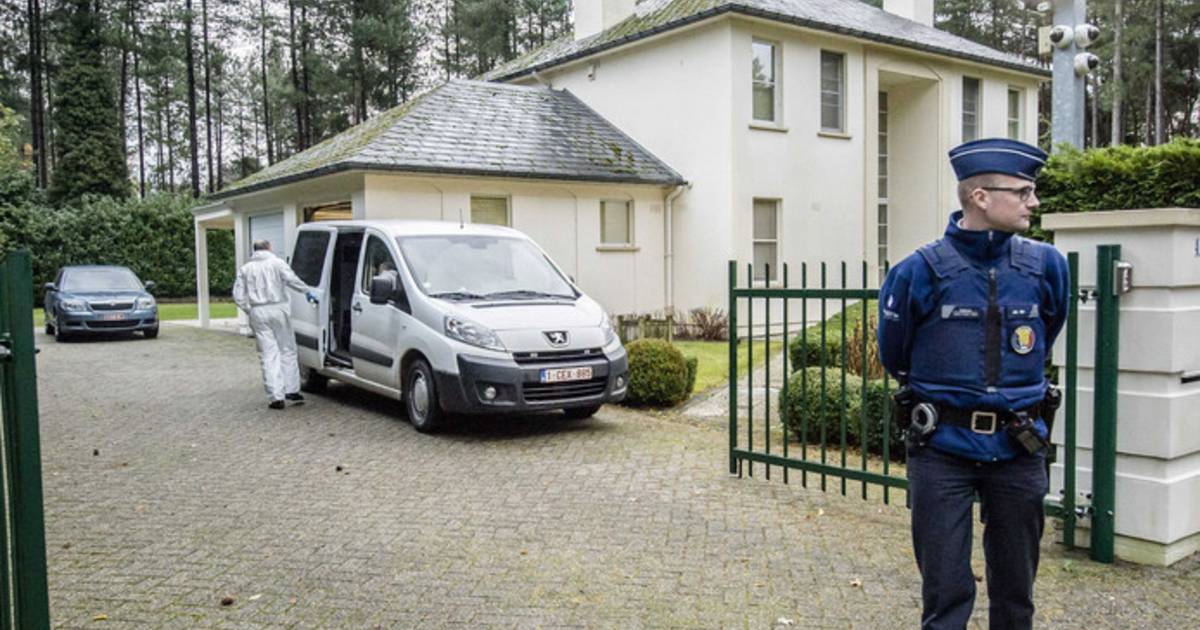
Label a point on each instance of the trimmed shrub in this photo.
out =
(804, 401)
(878, 407)
(658, 373)
(693, 364)
(806, 351)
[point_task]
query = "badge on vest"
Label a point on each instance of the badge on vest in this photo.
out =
(1023, 339)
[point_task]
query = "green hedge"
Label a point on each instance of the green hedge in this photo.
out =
(804, 402)
(659, 374)
(154, 237)
(1120, 178)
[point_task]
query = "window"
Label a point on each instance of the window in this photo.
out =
(308, 260)
(764, 69)
(376, 261)
(490, 210)
(616, 222)
(337, 211)
(766, 238)
(1014, 113)
(833, 90)
(970, 109)
(883, 184)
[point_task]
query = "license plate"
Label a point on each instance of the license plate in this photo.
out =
(113, 317)
(566, 374)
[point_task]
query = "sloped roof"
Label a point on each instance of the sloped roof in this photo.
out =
(846, 17)
(480, 129)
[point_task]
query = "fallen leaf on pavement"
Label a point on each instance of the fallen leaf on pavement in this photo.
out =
(255, 596)
(100, 617)
(227, 601)
(856, 583)
(784, 621)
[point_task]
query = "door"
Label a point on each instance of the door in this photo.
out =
(311, 260)
(376, 329)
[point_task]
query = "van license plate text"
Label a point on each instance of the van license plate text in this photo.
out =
(566, 374)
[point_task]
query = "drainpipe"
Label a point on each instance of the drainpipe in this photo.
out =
(669, 253)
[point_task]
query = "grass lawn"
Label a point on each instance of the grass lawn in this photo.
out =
(713, 367)
(170, 311)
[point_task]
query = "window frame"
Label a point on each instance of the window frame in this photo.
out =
(777, 204)
(882, 203)
(629, 224)
(508, 210)
(775, 84)
(1019, 120)
(841, 93)
(365, 280)
(977, 113)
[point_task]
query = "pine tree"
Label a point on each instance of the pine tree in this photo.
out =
(92, 158)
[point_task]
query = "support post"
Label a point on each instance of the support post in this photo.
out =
(1104, 442)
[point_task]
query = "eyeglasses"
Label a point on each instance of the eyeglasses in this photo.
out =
(1023, 193)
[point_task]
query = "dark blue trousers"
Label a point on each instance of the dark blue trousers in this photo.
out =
(942, 488)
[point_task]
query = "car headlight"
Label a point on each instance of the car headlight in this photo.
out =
(469, 332)
(73, 305)
(610, 335)
(144, 303)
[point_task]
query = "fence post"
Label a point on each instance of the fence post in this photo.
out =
(23, 474)
(733, 376)
(1104, 442)
(1071, 390)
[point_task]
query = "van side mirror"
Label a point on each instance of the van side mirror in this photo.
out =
(49, 286)
(386, 287)
(150, 285)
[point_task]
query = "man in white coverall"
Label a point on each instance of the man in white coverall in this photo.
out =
(261, 291)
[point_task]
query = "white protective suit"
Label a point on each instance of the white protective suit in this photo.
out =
(261, 291)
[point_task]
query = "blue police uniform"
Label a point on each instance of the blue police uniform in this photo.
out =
(968, 321)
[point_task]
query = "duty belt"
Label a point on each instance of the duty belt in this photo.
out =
(983, 421)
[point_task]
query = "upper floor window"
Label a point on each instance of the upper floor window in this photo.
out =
(490, 210)
(1014, 113)
(970, 109)
(764, 72)
(833, 91)
(616, 222)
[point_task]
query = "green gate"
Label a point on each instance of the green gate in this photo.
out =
(23, 597)
(842, 397)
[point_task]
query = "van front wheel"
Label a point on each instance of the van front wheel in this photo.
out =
(420, 398)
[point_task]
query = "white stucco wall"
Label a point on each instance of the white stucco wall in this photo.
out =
(563, 218)
(686, 96)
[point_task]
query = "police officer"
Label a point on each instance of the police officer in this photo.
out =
(260, 291)
(966, 322)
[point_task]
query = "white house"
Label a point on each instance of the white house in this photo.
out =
(805, 130)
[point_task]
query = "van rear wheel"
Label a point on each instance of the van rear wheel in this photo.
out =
(420, 398)
(312, 381)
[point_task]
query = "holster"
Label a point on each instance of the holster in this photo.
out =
(1051, 401)
(903, 401)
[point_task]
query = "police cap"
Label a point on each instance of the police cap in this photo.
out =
(997, 155)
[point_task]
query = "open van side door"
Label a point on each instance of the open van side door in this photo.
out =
(312, 259)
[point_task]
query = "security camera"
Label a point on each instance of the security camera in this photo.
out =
(1085, 63)
(1061, 36)
(1086, 35)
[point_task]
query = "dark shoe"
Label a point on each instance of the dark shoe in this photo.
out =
(276, 404)
(297, 397)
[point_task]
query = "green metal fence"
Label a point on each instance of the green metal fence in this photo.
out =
(23, 598)
(845, 430)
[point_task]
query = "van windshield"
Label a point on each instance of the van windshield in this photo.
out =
(482, 267)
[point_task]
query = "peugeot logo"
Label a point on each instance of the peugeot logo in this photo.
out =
(557, 338)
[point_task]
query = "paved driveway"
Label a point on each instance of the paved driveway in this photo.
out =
(169, 485)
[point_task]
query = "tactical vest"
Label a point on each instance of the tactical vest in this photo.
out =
(985, 333)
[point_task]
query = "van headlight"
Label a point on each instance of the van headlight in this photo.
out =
(144, 304)
(469, 332)
(73, 305)
(606, 327)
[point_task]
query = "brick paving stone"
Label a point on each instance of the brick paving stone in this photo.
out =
(627, 520)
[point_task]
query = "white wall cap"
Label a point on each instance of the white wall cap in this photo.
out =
(1154, 217)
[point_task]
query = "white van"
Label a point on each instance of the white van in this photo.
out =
(450, 318)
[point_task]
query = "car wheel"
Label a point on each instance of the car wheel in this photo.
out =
(581, 413)
(60, 334)
(312, 381)
(151, 333)
(420, 398)
(49, 327)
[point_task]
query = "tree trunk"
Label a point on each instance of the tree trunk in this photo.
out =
(37, 105)
(1118, 85)
(190, 60)
(170, 138)
(1150, 113)
(220, 136)
(360, 66)
(208, 140)
(124, 85)
(266, 101)
(137, 89)
(158, 125)
(1158, 79)
(298, 103)
(306, 89)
